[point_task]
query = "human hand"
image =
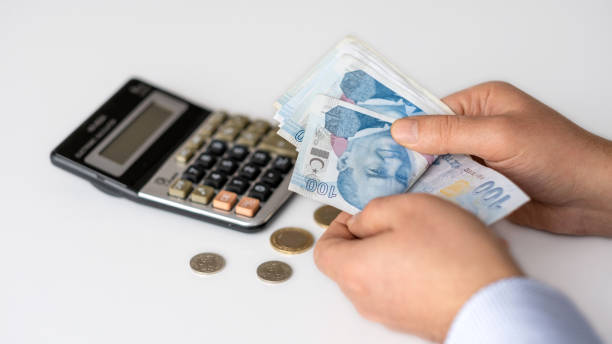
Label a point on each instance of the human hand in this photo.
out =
(566, 170)
(410, 261)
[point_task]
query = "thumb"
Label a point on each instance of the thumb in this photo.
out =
(484, 136)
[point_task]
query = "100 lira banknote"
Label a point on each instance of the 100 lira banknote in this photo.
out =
(354, 73)
(348, 157)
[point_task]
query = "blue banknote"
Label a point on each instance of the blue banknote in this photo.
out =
(356, 73)
(347, 81)
(348, 157)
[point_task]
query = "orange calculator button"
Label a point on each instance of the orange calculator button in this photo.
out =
(225, 200)
(247, 206)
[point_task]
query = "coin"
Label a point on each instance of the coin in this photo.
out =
(325, 215)
(291, 240)
(274, 271)
(207, 263)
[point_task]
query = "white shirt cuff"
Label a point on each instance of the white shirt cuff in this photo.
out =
(519, 310)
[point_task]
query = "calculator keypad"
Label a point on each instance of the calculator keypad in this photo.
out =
(229, 165)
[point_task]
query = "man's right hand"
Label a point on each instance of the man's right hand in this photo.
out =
(566, 170)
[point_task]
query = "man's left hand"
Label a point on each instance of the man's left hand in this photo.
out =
(411, 261)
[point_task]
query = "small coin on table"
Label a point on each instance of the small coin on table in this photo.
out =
(325, 215)
(274, 271)
(207, 263)
(291, 240)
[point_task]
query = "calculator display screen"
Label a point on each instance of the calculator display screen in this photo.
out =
(121, 148)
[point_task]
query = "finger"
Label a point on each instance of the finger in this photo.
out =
(378, 215)
(337, 230)
(556, 219)
(332, 251)
(489, 98)
(490, 138)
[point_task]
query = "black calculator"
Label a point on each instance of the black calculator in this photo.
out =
(157, 148)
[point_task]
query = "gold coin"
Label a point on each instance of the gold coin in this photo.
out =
(291, 240)
(274, 271)
(207, 263)
(326, 215)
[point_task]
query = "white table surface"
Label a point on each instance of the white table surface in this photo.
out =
(78, 266)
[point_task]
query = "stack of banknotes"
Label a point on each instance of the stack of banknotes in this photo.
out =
(339, 115)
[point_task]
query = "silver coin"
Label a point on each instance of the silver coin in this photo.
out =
(207, 263)
(274, 271)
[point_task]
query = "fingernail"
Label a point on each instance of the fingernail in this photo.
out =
(405, 131)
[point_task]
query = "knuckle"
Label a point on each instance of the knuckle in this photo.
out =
(320, 255)
(446, 128)
(418, 202)
(353, 279)
(365, 312)
(373, 208)
(499, 85)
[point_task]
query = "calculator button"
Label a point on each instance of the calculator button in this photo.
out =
(260, 158)
(249, 139)
(238, 152)
(249, 171)
(227, 133)
(247, 206)
(238, 121)
(228, 166)
(260, 191)
(272, 178)
(202, 194)
(225, 200)
(282, 163)
(258, 126)
(276, 144)
(207, 130)
(216, 148)
(216, 118)
(237, 185)
(184, 154)
(216, 179)
(196, 142)
(194, 173)
(180, 188)
(205, 160)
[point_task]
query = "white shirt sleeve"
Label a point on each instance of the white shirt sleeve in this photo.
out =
(519, 310)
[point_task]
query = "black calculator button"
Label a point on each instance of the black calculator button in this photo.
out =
(217, 148)
(260, 191)
(238, 152)
(249, 171)
(282, 163)
(237, 185)
(228, 166)
(216, 179)
(260, 158)
(272, 178)
(205, 160)
(194, 174)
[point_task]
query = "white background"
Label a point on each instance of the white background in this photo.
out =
(78, 266)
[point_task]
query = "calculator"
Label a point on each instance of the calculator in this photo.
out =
(156, 148)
